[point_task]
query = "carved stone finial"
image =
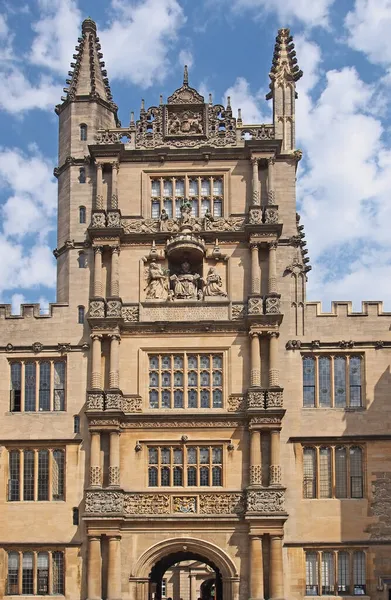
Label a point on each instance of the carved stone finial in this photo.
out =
(210, 99)
(239, 119)
(185, 76)
(284, 64)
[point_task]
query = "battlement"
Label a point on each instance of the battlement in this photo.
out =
(344, 308)
(31, 310)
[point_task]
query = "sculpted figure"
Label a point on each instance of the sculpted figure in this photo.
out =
(163, 220)
(185, 283)
(213, 284)
(185, 211)
(157, 288)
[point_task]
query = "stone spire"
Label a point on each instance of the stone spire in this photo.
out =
(88, 77)
(283, 76)
(284, 64)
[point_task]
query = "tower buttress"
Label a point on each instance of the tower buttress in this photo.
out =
(284, 74)
(86, 107)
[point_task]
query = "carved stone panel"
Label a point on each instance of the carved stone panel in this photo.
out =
(265, 501)
(221, 504)
(273, 305)
(104, 502)
(114, 308)
(271, 215)
(147, 504)
(114, 475)
(113, 401)
(238, 311)
(201, 312)
(98, 220)
(97, 309)
(255, 306)
(132, 404)
(256, 399)
(255, 216)
(184, 504)
(236, 403)
(274, 399)
(95, 401)
(130, 313)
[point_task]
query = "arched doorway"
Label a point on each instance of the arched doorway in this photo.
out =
(208, 589)
(152, 564)
(159, 569)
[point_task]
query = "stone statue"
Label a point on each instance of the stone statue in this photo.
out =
(157, 288)
(213, 284)
(185, 283)
(185, 211)
(163, 220)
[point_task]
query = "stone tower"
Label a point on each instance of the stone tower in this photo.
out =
(183, 403)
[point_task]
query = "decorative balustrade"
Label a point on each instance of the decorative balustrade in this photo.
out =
(108, 502)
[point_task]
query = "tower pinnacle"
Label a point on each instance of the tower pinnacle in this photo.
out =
(284, 63)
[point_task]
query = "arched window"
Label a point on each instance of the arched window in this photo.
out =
(82, 214)
(83, 132)
(82, 260)
(80, 314)
(82, 175)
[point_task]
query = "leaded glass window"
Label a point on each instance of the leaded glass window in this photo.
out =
(33, 577)
(23, 486)
(205, 194)
(335, 573)
(332, 381)
(309, 469)
(44, 385)
(309, 382)
(43, 475)
(311, 574)
(186, 381)
(13, 574)
(186, 466)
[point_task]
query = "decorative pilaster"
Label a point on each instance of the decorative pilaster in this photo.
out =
(114, 568)
(96, 377)
(255, 270)
(256, 568)
(273, 359)
(95, 467)
(270, 180)
(276, 578)
(114, 468)
(94, 569)
(99, 187)
(272, 268)
(255, 359)
(256, 198)
(114, 185)
(114, 362)
(98, 271)
(275, 468)
(255, 458)
(114, 281)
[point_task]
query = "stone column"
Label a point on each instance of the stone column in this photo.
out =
(94, 569)
(273, 359)
(99, 186)
(96, 378)
(255, 270)
(270, 180)
(114, 362)
(114, 185)
(255, 360)
(276, 581)
(114, 282)
(98, 271)
(192, 587)
(255, 458)
(114, 468)
(275, 468)
(256, 199)
(95, 468)
(256, 568)
(114, 568)
(272, 268)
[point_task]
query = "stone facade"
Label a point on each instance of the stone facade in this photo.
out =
(183, 401)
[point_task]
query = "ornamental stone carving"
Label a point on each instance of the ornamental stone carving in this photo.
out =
(37, 347)
(95, 401)
(98, 220)
(114, 475)
(272, 305)
(238, 311)
(274, 399)
(96, 476)
(345, 345)
(146, 504)
(206, 223)
(221, 504)
(104, 502)
(64, 348)
(255, 216)
(130, 314)
(132, 404)
(255, 475)
(271, 215)
(213, 284)
(265, 501)
(183, 122)
(221, 224)
(236, 403)
(114, 217)
(293, 345)
(185, 283)
(184, 504)
(97, 309)
(158, 287)
(275, 475)
(264, 421)
(256, 399)
(114, 309)
(113, 401)
(255, 306)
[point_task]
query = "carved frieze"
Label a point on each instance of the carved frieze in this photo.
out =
(221, 504)
(114, 308)
(271, 215)
(157, 424)
(95, 401)
(113, 401)
(274, 399)
(255, 306)
(132, 404)
(236, 403)
(104, 502)
(114, 217)
(96, 309)
(98, 220)
(203, 311)
(255, 216)
(238, 311)
(265, 501)
(146, 504)
(184, 504)
(256, 399)
(272, 305)
(130, 314)
(207, 223)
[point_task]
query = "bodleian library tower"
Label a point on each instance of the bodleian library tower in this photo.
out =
(183, 423)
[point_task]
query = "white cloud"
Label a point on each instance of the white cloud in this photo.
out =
(185, 57)
(242, 97)
(311, 13)
(18, 94)
(147, 30)
(368, 27)
(16, 301)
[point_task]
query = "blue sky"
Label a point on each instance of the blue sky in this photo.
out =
(343, 117)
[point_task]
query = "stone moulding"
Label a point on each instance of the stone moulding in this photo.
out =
(108, 502)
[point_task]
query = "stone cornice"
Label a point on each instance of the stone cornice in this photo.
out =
(71, 161)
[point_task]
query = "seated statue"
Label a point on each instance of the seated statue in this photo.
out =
(213, 284)
(185, 283)
(157, 287)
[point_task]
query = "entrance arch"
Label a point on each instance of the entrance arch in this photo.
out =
(158, 558)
